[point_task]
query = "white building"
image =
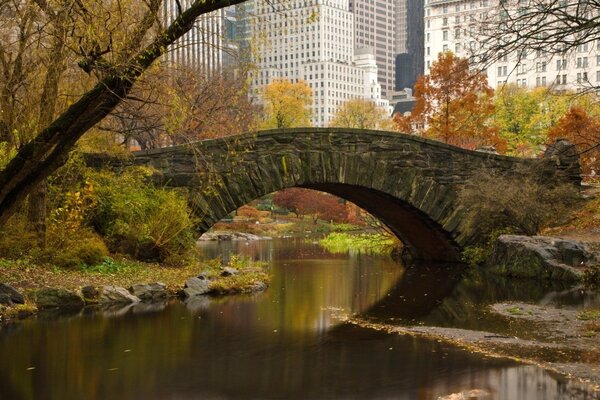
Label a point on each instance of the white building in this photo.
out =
(453, 25)
(313, 41)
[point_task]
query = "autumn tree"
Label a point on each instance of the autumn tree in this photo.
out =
(361, 114)
(287, 104)
(310, 202)
(524, 116)
(583, 130)
(454, 104)
(109, 45)
(176, 104)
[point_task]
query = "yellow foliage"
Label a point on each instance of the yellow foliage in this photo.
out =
(287, 104)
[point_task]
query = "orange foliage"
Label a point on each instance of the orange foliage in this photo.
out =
(310, 202)
(248, 212)
(454, 104)
(583, 130)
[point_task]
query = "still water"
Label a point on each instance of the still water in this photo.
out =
(285, 343)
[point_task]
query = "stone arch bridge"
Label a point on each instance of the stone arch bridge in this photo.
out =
(409, 183)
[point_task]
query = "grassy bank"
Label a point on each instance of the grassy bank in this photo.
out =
(28, 276)
(343, 242)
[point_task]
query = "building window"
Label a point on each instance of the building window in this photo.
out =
(445, 35)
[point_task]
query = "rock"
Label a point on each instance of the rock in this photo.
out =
(14, 295)
(259, 286)
(152, 292)
(61, 298)
(117, 295)
(90, 293)
(195, 286)
(228, 271)
(540, 257)
(228, 236)
(5, 299)
(206, 274)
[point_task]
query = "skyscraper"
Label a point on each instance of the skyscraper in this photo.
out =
(375, 31)
(313, 41)
(409, 63)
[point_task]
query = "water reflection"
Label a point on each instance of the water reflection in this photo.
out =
(283, 344)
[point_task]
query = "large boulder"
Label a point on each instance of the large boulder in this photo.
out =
(58, 298)
(540, 257)
(11, 293)
(229, 271)
(195, 287)
(151, 292)
(117, 295)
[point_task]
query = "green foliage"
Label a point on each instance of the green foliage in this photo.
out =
(80, 252)
(15, 239)
(478, 254)
(589, 315)
(591, 276)
(523, 201)
(139, 219)
(341, 242)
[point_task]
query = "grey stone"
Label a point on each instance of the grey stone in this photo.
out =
(540, 257)
(206, 274)
(14, 295)
(5, 299)
(90, 293)
(61, 298)
(259, 286)
(151, 292)
(117, 295)
(229, 271)
(195, 287)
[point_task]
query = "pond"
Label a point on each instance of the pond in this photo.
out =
(285, 343)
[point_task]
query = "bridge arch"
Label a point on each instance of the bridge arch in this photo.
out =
(409, 183)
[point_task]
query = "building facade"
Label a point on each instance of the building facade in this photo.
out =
(375, 31)
(453, 25)
(210, 45)
(313, 41)
(409, 43)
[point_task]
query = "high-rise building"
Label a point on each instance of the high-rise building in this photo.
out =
(453, 25)
(409, 42)
(313, 41)
(375, 31)
(209, 45)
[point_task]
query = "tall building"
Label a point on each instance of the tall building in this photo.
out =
(375, 31)
(313, 41)
(452, 25)
(409, 43)
(209, 46)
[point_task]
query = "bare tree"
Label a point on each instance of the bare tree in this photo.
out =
(549, 28)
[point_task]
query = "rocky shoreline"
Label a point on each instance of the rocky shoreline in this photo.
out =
(14, 305)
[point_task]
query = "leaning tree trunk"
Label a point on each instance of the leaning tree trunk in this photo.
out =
(50, 148)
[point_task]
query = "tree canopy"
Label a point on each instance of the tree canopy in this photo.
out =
(287, 104)
(361, 114)
(112, 44)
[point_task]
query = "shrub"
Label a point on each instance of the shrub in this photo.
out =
(591, 276)
(87, 251)
(523, 201)
(139, 219)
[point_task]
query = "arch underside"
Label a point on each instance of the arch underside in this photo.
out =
(422, 236)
